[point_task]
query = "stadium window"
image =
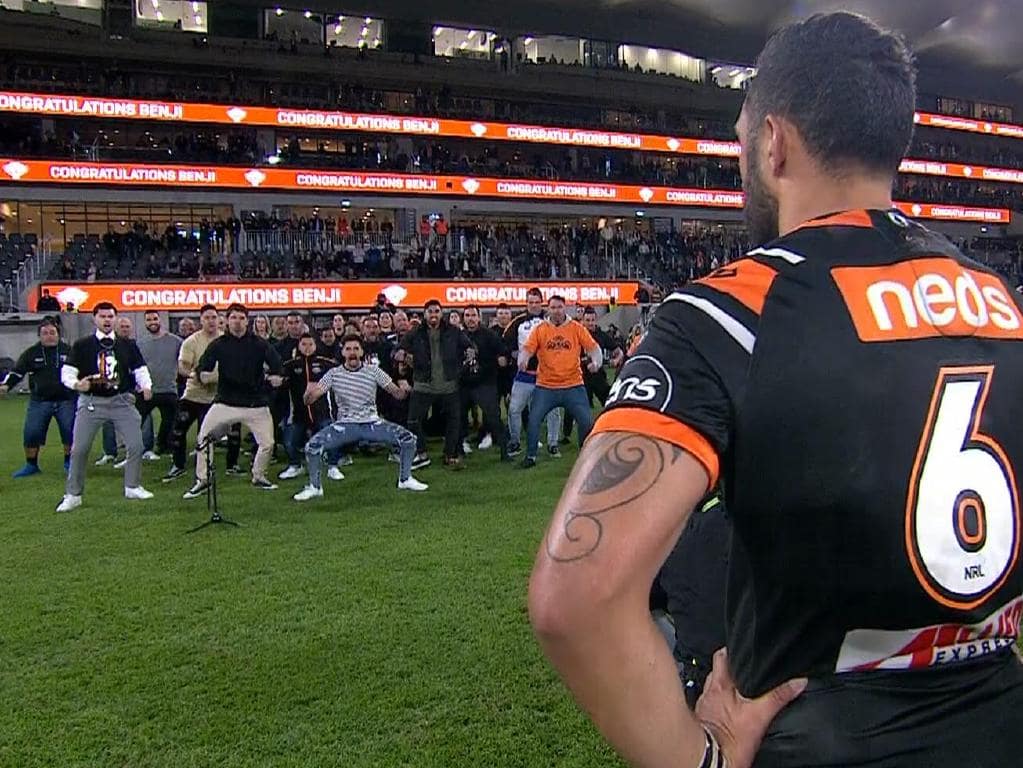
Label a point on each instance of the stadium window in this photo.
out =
(662, 61)
(463, 43)
(85, 11)
(183, 15)
(354, 32)
(551, 49)
(726, 75)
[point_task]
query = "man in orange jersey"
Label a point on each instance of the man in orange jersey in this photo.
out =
(558, 344)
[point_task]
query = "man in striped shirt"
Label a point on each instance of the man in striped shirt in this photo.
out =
(354, 386)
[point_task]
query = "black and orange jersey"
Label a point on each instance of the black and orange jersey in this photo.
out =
(299, 373)
(856, 385)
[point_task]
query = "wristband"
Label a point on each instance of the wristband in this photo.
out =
(713, 757)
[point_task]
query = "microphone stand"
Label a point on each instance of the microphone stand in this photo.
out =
(212, 507)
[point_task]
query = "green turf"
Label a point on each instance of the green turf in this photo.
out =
(367, 628)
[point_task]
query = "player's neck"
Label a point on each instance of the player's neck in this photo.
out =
(810, 201)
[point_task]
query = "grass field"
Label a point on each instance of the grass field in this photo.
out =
(367, 628)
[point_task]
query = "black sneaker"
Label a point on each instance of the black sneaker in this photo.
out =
(197, 490)
(173, 474)
(514, 449)
(420, 461)
(264, 485)
(554, 451)
(528, 462)
(236, 471)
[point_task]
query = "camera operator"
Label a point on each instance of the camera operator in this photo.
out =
(105, 369)
(49, 399)
(239, 358)
(479, 378)
(438, 351)
(306, 419)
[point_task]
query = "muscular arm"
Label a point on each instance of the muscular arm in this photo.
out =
(621, 512)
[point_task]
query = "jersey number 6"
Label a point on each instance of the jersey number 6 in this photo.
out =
(962, 510)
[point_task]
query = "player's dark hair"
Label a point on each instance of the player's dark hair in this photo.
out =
(103, 305)
(534, 292)
(237, 308)
(846, 84)
(48, 322)
(556, 297)
(588, 310)
(432, 303)
(502, 305)
(473, 307)
(206, 308)
(353, 337)
(307, 336)
(294, 313)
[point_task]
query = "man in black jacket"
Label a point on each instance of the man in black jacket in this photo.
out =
(438, 351)
(280, 403)
(50, 399)
(242, 394)
(479, 378)
(306, 419)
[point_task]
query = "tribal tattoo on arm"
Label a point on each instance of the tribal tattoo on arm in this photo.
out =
(617, 470)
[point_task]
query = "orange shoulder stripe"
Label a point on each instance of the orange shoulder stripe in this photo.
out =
(746, 281)
(844, 219)
(653, 424)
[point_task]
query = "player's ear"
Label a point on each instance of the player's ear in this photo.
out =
(776, 144)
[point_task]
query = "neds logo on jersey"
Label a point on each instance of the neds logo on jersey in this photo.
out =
(643, 381)
(926, 298)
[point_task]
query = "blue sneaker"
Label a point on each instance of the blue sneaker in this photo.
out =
(27, 471)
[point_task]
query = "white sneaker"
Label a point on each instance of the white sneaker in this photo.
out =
(486, 443)
(291, 472)
(138, 492)
(69, 502)
(335, 474)
(106, 458)
(308, 493)
(150, 456)
(120, 464)
(466, 448)
(411, 485)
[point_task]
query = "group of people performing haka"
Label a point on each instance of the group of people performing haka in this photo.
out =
(321, 396)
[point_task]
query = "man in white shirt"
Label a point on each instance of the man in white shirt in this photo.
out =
(106, 370)
(354, 385)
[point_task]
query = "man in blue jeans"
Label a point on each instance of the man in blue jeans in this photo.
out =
(50, 399)
(558, 345)
(354, 387)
